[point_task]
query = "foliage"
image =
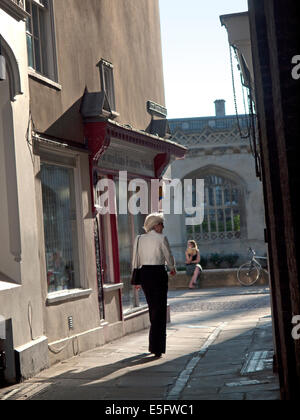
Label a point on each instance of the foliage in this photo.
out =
(204, 261)
(216, 259)
(231, 259)
(237, 223)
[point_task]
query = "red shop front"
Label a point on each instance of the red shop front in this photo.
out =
(116, 150)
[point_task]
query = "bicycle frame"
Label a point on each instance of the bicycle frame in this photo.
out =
(254, 260)
(249, 272)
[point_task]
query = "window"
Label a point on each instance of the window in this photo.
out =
(129, 226)
(60, 227)
(107, 82)
(40, 37)
(222, 215)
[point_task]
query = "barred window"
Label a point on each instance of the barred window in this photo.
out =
(60, 227)
(222, 214)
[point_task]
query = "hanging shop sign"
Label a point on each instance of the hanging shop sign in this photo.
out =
(120, 161)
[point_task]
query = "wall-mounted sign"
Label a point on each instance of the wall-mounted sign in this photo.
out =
(156, 109)
(121, 161)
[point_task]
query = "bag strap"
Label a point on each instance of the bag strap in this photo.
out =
(137, 252)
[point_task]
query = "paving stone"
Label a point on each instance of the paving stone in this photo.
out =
(146, 381)
(251, 388)
(235, 396)
(263, 396)
(217, 381)
(124, 370)
(208, 371)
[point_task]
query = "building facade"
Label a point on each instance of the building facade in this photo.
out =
(20, 288)
(77, 102)
(219, 152)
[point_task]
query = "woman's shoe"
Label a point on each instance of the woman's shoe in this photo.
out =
(157, 355)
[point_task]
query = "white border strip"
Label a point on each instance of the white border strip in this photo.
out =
(187, 372)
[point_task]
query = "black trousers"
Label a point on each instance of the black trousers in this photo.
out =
(155, 287)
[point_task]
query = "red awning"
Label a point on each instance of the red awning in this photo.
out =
(99, 135)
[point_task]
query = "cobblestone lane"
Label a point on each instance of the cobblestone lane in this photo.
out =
(219, 300)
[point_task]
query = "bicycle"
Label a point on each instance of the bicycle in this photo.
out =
(249, 273)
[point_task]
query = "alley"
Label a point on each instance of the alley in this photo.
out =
(219, 347)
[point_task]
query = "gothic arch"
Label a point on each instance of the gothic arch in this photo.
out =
(12, 70)
(233, 182)
(201, 173)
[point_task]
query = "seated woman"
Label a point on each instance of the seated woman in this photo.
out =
(193, 268)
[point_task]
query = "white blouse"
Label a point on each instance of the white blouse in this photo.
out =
(153, 249)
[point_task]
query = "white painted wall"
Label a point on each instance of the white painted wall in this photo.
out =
(19, 257)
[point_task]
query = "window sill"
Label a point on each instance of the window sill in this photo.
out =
(6, 283)
(43, 79)
(111, 287)
(67, 295)
(7, 286)
(16, 11)
(134, 312)
(114, 114)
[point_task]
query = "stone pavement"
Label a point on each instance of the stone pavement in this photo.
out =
(224, 353)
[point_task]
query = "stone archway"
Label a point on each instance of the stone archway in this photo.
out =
(12, 70)
(219, 170)
(225, 221)
(10, 246)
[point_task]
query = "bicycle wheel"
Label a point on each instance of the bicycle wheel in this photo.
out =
(248, 274)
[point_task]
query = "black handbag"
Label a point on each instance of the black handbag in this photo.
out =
(136, 274)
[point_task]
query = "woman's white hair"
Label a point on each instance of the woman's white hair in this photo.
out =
(153, 220)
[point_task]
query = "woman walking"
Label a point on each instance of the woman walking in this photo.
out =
(152, 254)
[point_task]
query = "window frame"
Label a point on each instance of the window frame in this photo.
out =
(71, 160)
(46, 39)
(136, 298)
(213, 208)
(107, 69)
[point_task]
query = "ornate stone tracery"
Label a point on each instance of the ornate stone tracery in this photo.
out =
(210, 138)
